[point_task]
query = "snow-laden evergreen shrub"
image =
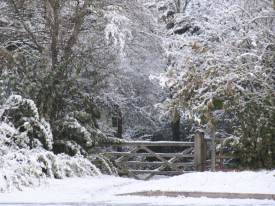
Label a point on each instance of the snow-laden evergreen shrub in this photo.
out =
(23, 114)
(24, 168)
(21, 166)
(25, 144)
(74, 136)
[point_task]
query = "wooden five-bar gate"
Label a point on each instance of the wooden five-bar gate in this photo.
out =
(145, 159)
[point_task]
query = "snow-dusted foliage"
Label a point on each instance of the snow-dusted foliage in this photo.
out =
(218, 42)
(22, 167)
(117, 30)
(221, 70)
(27, 168)
(25, 144)
(15, 101)
(105, 165)
(23, 114)
(79, 59)
(79, 138)
(131, 29)
(110, 54)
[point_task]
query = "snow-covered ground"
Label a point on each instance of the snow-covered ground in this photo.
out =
(103, 190)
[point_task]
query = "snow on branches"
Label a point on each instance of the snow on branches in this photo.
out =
(117, 30)
(221, 71)
(225, 52)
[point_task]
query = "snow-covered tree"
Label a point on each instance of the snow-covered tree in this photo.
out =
(50, 50)
(131, 30)
(47, 42)
(220, 72)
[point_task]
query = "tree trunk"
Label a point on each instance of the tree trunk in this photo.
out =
(52, 16)
(178, 5)
(119, 125)
(176, 125)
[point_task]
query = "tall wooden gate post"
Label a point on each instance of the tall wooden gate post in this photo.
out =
(200, 151)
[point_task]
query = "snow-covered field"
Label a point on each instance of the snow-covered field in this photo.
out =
(103, 190)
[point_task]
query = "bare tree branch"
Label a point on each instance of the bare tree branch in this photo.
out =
(26, 27)
(79, 18)
(53, 7)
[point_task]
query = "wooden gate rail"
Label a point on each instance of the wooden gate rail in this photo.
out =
(192, 157)
(129, 154)
(157, 143)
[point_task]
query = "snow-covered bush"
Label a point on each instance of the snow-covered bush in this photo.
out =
(26, 168)
(77, 131)
(74, 137)
(21, 166)
(254, 130)
(23, 115)
(26, 141)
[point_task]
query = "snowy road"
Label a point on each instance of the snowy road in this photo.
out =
(103, 190)
(138, 204)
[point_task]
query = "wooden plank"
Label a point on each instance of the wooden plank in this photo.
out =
(125, 158)
(158, 172)
(178, 155)
(157, 143)
(160, 158)
(139, 163)
(203, 194)
(172, 160)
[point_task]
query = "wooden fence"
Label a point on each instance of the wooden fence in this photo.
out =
(141, 159)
